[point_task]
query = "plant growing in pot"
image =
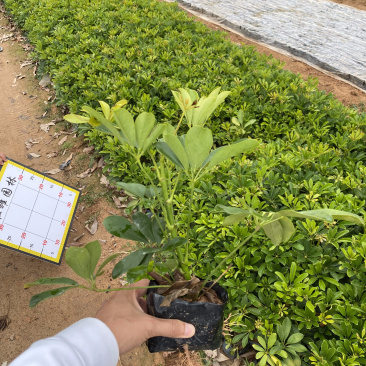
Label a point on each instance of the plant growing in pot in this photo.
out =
(173, 163)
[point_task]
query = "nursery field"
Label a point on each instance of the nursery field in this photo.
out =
(309, 291)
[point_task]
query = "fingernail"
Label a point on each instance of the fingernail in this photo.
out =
(189, 330)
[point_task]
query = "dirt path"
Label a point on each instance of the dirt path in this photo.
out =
(22, 104)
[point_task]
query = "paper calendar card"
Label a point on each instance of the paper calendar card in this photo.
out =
(36, 212)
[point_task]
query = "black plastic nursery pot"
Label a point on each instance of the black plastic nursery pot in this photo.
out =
(207, 318)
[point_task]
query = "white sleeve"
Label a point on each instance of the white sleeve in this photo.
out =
(88, 342)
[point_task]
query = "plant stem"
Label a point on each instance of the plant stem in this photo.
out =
(192, 183)
(151, 181)
(120, 288)
(181, 119)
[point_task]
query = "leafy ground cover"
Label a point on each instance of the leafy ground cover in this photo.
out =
(312, 156)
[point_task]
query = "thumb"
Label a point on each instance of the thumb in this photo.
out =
(172, 328)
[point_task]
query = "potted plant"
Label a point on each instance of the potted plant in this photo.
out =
(173, 162)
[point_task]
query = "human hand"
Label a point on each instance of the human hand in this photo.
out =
(125, 315)
(2, 158)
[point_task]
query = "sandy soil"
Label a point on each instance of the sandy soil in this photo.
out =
(23, 104)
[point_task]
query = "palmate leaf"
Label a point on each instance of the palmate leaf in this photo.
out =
(135, 189)
(126, 124)
(95, 250)
(223, 153)
(107, 124)
(79, 260)
(178, 149)
(131, 261)
(164, 149)
(75, 118)
(198, 143)
(148, 227)
(122, 228)
(324, 214)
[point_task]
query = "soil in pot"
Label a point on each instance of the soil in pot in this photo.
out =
(185, 301)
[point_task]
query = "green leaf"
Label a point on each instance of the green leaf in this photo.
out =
(332, 281)
(293, 271)
(198, 143)
(262, 342)
(263, 360)
(36, 299)
(78, 259)
(258, 348)
(174, 243)
(343, 215)
(295, 338)
(164, 149)
(157, 233)
(105, 262)
(137, 273)
(104, 121)
(284, 329)
(271, 340)
(144, 124)
(235, 219)
(144, 224)
(230, 210)
(130, 261)
(134, 189)
(122, 228)
(154, 135)
(75, 118)
(178, 149)
(106, 109)
(310, 306)
(125, 122)
(223, 153)
(274, 232)
(288, 229)
(95, 250)
(297, 347)
(52, 281)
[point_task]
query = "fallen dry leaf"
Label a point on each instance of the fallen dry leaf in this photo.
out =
(104, 180)
(62, 140)
(26, 63)
(94, 227)
(101, 163)
(30, 142)
(46, 127)
(79, 237)
(53, 171)
(85, 174)
(51, 154)
(33, 156)
(117, 202)
(88, 150)
(95, 166)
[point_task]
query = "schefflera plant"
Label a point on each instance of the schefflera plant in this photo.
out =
(176, 160)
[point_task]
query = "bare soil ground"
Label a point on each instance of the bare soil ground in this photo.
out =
(23, 105)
